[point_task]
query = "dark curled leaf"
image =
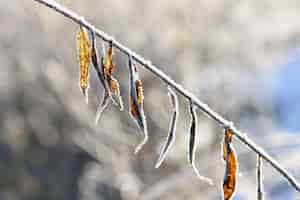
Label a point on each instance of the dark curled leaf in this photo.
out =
(229, 182)
(192, 143)
(136, 103)
(260, 193)
(192, 146)
(171, 134)
(95, 61)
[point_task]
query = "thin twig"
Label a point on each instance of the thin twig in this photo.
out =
(157, 72)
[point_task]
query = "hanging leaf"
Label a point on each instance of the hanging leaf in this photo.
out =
(95, 61)
(115, 89)
(108, 70)
(171, 134)
(110, 84)
(109, 66)
(260, 192)
(136, 103)
(229, 182)
(192, 140)
(101, 77)
(227, 141)
(193, 145)
(84, 55)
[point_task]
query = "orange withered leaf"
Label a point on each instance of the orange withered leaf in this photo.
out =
(115, 89)
(227, 141)
(171, 134)
(84, 55)
(109, 66)
(139, 92)
(136, 103)
(229, 182)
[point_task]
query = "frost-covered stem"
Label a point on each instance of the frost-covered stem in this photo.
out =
(164, 77)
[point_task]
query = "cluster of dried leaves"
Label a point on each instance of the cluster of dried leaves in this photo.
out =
(105, 68)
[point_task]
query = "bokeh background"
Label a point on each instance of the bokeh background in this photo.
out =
(240, 57)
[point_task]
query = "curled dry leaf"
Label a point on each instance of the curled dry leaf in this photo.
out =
(260, 192)
(101, 77)
(229, 182)
(95, 61)
(136, 103)
(171, 134)
(109, 66)
(110, 84)
(108, 70)
(115, 90)
(192, 140)
(193, 145)
(83, 48)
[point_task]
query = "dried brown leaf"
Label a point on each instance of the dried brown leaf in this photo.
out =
(109, 66)
(83, 48)
(229, 182)
(136, 103)
(112, 85)
(115, 89)
(101, 77)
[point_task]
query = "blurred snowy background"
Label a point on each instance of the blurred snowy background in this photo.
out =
(240, 57)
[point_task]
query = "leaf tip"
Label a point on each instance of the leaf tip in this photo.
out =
(159, 161)
(157, 164)
(85, 94)
(98, 115)
(141, 144)
(199, 176)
